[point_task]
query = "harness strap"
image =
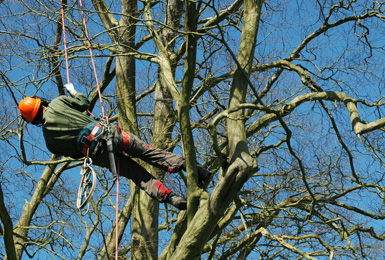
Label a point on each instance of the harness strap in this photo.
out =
(87, 141)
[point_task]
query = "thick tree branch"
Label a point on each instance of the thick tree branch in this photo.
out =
(8, 228)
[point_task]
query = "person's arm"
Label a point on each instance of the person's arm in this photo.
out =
(79, 100)
(71, 89)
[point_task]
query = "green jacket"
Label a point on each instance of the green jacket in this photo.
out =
(63, 121)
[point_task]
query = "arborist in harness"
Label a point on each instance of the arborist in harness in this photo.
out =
(70, 132)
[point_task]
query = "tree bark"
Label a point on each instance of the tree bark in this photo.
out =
(242, 165)
(7, 231)
(238, 91)
(184, 108)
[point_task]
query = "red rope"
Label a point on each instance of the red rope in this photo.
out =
(64, 41)
(92, 60)
(66, 52)
(117, 213)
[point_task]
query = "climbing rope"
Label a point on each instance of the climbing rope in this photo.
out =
(109, 132)
(117, 214)
(65, 41)
(92, 60)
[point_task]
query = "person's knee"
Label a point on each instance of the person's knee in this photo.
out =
(125, 141)
(136, 146)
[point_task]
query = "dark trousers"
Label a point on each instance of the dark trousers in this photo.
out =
(159, 158)
(128, 145)
(142, 178)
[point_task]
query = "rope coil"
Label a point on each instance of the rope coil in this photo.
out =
(87, 186)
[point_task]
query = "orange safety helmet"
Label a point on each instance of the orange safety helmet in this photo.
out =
(29, 107)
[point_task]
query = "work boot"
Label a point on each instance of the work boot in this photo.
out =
(177, 201)
(204, 175)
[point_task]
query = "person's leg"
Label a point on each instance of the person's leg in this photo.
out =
(145, 181)
(159, 158)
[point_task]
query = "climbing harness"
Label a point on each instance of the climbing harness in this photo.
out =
(102, 128)
(87, 185)
(87, 169)
(87, 136)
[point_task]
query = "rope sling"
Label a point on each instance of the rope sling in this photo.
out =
(87, 186)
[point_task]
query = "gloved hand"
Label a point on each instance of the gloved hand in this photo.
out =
(71, 89)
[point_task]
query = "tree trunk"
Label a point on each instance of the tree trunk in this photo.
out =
(184, 107)
(238, 91)
(208, 214)
(8, 228)
(145, 238)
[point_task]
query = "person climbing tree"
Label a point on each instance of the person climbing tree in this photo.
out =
(70, 132)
